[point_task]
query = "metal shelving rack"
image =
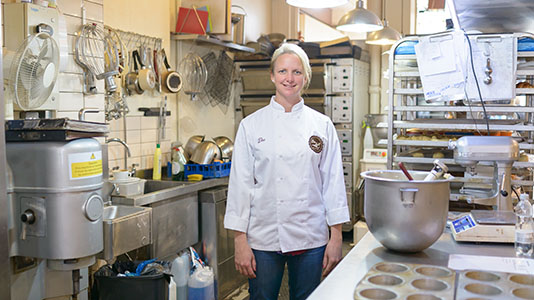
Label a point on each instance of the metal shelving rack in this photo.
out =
(406, 95)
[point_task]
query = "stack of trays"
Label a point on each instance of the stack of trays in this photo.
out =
(494, 285)
(406, 281)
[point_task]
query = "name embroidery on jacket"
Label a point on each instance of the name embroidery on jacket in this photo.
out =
(260, 139)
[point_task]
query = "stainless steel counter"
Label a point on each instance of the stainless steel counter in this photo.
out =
(169, 189)
(340, 284)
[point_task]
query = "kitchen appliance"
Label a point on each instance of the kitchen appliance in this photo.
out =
(491, 225)
(217, 243)
(57, 204)
(403, 215)
(374, 159)
(36, 28)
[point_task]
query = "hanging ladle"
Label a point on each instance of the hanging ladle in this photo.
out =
(405, 171)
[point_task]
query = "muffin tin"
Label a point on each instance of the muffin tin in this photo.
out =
(473, 284)
(388, 280)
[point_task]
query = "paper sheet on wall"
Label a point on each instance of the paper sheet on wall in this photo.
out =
(501, 50)
(441, 61)
(491, 263)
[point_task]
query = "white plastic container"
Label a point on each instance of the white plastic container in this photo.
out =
(180, 271)
(201, 285)
(130, 187)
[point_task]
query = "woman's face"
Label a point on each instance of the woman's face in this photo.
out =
(288, 76)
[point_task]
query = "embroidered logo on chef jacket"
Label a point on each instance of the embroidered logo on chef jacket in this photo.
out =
(316, 144)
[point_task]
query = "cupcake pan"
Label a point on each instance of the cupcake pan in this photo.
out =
(473, 284)
(388, 280)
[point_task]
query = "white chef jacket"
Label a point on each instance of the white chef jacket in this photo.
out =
(286, 181)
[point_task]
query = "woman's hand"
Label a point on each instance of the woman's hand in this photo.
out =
(332, 254)
(245, 263)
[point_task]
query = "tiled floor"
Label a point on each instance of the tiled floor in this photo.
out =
(242, 292)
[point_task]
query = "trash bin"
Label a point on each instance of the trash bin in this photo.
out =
(109, 286)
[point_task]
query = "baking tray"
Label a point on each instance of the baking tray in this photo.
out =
(387, 280)
(474, 284)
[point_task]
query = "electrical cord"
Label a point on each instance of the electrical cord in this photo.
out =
(478, 87)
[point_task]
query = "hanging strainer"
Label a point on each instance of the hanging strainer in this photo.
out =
(220, 72)
(98, 54)
(195, 74)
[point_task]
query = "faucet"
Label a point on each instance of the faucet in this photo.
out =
(125, 146)
(83, 111)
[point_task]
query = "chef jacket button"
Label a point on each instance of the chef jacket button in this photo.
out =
(279, 156)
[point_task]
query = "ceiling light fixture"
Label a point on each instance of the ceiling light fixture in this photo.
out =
(359, 20)
(316, 3)
(386, 36)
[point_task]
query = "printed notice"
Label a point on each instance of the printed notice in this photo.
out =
(492, 263)
(85, 165)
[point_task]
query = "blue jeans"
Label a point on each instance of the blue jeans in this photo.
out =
(305, 272)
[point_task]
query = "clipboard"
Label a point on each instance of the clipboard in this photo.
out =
(192, 20)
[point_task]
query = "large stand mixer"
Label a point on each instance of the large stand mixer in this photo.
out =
(488, 225)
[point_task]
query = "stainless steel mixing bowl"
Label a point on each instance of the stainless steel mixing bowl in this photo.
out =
(192, 144)
(205, 153)
(226, 145)
(403, 215)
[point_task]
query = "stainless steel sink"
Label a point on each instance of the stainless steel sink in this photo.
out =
(126, 228)
(174, 204)
(119, 211)
(158, 185)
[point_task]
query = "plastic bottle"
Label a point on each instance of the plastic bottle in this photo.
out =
(524, 228)
(201, 285)
(156, 171)
(368, 138)
(180, 269)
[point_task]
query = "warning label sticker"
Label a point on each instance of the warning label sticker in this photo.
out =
(85, 165)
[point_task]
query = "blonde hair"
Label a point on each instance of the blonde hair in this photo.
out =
(296, 50)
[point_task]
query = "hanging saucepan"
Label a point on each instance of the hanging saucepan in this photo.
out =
(146, 76)
(130, 80)
(170, 79)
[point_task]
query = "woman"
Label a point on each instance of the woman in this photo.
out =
(286, 187)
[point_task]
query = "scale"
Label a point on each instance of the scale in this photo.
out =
(484, 226)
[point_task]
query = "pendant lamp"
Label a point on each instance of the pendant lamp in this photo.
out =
(359, 20)
(386, 36)
(316, 3)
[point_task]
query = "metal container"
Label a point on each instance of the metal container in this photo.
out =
(226, 145)
(403, 215)
(205, 153)
(238, 28)
(57, 205)
(126, 228)
(192, 144)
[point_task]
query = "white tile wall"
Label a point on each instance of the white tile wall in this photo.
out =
(141, 131)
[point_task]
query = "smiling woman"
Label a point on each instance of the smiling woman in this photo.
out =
(290, 73)
(286, 187)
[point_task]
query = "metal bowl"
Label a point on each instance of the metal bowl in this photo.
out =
(226, 145)
(276, 39)
(192, 144)
(205, 153)
(403, 215)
